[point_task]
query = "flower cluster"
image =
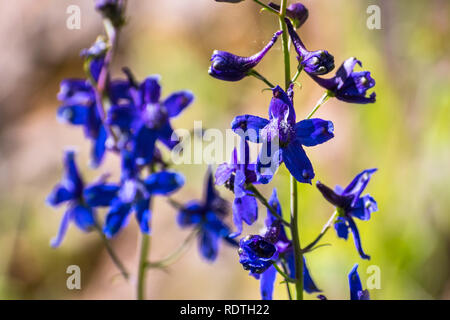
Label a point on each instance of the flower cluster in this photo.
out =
(129, 119)
(283, 140)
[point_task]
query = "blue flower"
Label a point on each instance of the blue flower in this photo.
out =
(79, 108)
(258, 254)
(135, 194)
(207, 216)
(229, 67)
(282, 138)
(147, 118)
(348, 85)
(350, 204)
(235, 175)
(314, 62)
(356, 290)
(80, 200)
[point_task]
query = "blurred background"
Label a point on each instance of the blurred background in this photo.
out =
(405, 134)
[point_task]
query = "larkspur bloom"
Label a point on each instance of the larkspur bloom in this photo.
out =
(350, 204)
(207, 216)
(313, 62)
(356, 290)
(286, 137)
(349, 85)
(79, 107)
(229, 67)
(135, 194)
(258, 254)
(297, 12)
(235, 175)
(147, 119)
(80, 199)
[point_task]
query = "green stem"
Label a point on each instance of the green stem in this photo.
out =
(264, 201)
(325, 228)
(171, 258)
(296, 240)
(285, 276)
(297, 74)
(283, 264)
(142, 270)
(259, 76)
(285, 45)
(319, 103)
(265, 6)
(112, 254)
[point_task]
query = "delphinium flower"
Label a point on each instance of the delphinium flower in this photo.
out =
(207, 215)
(80, 199)
(258, 253)
(147, 119)
(80, 105)
(229, 67)
(354, 282)
(349, 85)
(112, 10)
(281, 132)
(135, 194)
(350, 204)
(313, 62)
(235, 175)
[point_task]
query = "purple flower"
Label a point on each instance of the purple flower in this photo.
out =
(229, 67)
(235, 175)
(258, 254)
(348, 85)
(147, 118)
(135, 194)
(314, 62)
(207, 216)
(297, 12)
(282, 138)
(350, 204)
(80, 200)
(356, 290)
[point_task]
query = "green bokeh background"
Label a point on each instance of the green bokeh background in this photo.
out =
(405, 134)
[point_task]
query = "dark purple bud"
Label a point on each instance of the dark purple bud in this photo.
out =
(314, 62)
(229, 67)
(256, 254)
(297, 12)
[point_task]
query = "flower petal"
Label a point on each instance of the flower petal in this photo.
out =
(297, 162)
(363, 208)
(164, 182)
(56, 242)
(73, 114)
(143, 214)
(209, 245)
(312, 132)
(359, 183)
(117, 218)
(341, 228)
(357, 239)
(150, 90)
(268, 162)
(281, 106)
(335, 199)
(100, 195)
(99, 147)
(191, 214)
(267, 281)
(354, 283)
(83, 217)
(59, 195)
(244, 209)
(249, 127)
(308, 284)
(177, 102)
